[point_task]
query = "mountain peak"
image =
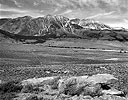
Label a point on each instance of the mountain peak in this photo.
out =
(92, 24)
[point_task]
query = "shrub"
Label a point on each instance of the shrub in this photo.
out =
(12, 86)
(27, 88)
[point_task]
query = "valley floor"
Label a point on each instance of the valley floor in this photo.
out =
(57, 57)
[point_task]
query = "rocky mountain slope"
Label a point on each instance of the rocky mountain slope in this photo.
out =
(60, 26)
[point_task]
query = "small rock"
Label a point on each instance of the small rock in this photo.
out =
(48, 72)
(65, 96)
(118, 98)
(112, 92)
(105, 97)
(66, 72)
(111, 97)
(75, 97)
(87, 97)
(32, 97)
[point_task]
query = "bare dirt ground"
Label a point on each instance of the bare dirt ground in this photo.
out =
(22, 61)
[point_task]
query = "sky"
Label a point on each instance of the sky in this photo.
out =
(110, 12)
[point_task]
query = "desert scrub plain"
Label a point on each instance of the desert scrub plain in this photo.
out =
(51, 62)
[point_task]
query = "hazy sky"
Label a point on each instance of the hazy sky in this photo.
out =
(111, 12)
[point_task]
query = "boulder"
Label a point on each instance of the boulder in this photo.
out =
(100, 78)
(90, 85)
(72, 85)
(39, 84)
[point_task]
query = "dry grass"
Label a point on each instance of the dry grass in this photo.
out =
(20, 62)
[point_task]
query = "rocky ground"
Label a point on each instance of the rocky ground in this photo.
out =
(95, 87)
(36, 72)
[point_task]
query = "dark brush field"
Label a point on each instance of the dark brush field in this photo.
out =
(80, 57)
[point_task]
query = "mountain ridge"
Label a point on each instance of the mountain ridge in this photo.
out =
(59, 26)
